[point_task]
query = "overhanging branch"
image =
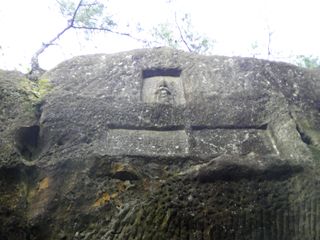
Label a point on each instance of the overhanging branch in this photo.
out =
(103, 29)
(35, 58)
(72, 24)
(180, 32)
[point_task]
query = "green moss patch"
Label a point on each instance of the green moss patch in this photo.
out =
(36, 90)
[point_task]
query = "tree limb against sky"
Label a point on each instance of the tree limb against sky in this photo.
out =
(92, 16)
(65, 28)
(82, 17)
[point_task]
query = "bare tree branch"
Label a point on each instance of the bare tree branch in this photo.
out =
(180, 32)
(270, 33)
(269, 43)
(71, 24)
(103, 29)
(35, 58)
(71, 21)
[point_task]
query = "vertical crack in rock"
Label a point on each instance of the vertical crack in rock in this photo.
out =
(27, 138)
(304, 137)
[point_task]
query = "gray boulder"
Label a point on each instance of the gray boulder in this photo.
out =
(162, 144)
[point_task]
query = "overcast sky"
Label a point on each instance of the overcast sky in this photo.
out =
(235, 25)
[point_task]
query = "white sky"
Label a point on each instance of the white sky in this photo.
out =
(234, 24)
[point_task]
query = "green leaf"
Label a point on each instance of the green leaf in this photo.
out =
(309, 61)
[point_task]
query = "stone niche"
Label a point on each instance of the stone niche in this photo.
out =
(163, 86)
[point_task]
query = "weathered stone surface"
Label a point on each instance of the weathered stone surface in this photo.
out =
(146, 142)
(162, 144)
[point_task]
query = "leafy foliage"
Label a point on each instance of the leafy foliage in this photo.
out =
(86, 14)
(67, 8)
(308, 61)
(181, 35)
(197, 42)
(164, 34)
(91, 15)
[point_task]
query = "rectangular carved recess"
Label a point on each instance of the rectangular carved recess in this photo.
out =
(149, 128)
(147, 142)
(170, 143)
(238, 141)
(156, 72)
(163, 86)
(231, 127)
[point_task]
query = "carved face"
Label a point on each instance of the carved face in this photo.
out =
(163, 94)
(163, 89)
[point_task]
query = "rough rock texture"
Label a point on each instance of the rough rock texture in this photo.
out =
(161, 144)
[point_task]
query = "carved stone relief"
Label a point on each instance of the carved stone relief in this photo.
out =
(165, 87)
(163, 90)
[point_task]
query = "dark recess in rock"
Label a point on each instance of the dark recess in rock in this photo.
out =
(38, 109)
(27, 141)
(125, 175)
(154, 72)
(153, 128)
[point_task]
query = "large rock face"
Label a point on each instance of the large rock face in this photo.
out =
(161, 144)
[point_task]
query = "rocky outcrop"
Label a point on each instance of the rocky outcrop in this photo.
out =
(161, 144)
